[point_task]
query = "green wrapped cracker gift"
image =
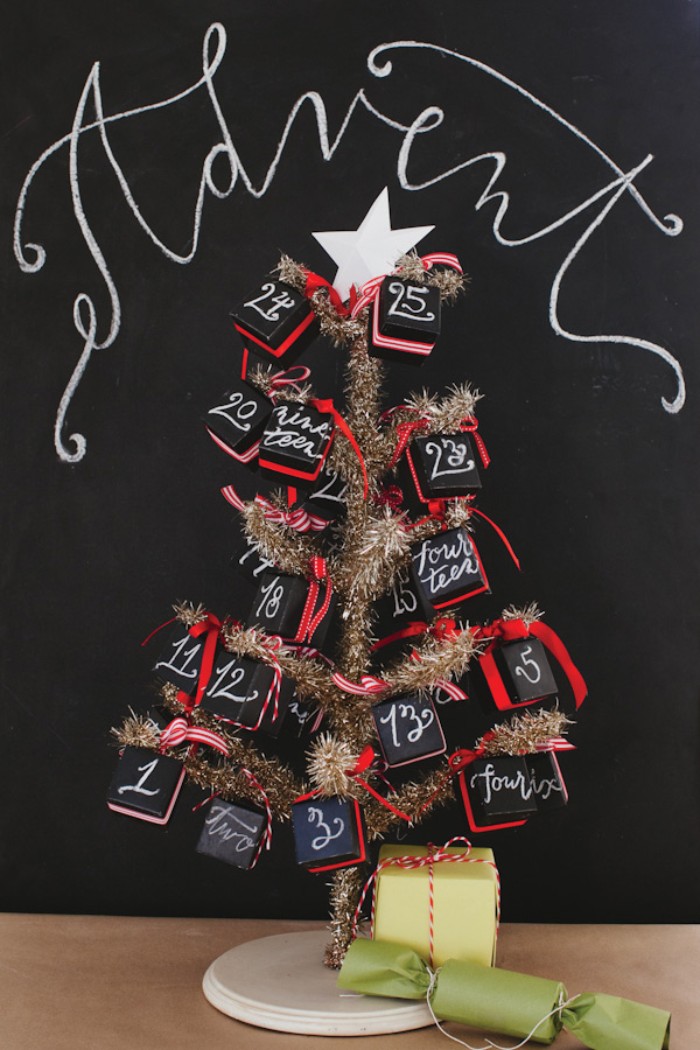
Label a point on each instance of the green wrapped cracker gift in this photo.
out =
(496, 1000)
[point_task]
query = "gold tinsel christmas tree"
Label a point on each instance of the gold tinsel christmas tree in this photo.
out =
(357, 559)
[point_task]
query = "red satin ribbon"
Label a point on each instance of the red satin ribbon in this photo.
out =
(326, 405)
(437, 508)
(503, 630)
(404, 433)
(314, 282)
(212, 625)
(363, 763)
(442, 628)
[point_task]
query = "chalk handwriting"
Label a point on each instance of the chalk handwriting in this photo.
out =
(291, 427)
(315, 817)
(413, 723)
(138, 788)
(188, 656)
(492, 784)
(454, 453)
(237, 410)
(405, 601)
(278, 302)
(527, 661)
(100, 334)
(221, 824)
(440, 564)
(271, 597)
(222, 687)
(408, 304)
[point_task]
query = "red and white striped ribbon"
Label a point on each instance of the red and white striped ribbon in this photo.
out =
(291, 377)
(369, 290)
(243, 457)
(556, 743)
(179, 730)
(436, 855)
(368, 684)
(299, 519)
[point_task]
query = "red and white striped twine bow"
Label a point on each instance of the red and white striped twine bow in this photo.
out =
(179, 730)
(299, 519)
(436, 855)
(266, 840)
(370, 289)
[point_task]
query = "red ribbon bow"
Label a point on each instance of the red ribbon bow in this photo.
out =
(212, 625)
(508, 630)
(314, 283)
(180, 730)
(326, 405)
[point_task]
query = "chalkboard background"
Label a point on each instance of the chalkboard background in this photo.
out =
(594, 480)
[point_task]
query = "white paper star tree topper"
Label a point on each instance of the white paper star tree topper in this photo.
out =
(372, 249)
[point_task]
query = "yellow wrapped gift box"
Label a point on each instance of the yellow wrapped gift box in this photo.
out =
(465, 908)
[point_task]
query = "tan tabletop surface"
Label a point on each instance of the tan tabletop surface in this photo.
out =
(87, 983)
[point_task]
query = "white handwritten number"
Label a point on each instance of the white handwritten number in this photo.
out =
(407, 304)
(417, 723)
(138, 788)
(405, 600)
(223, 688)
(278, 302)
(315, 817)
(236, 411)
(522, 671)
(183, 668)
(271, 598)
(455, 455)
(224, 158)
(326, 491)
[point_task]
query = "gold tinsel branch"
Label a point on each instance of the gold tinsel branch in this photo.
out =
(340, 330)
(289, 550)
(435, 658)
(450, 283)
(189, 613)
(261, 376)
(529, 614)
(416, 799)
(345, 892)
(522, 734)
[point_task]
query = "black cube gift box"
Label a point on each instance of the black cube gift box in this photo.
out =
(231, 833)
(145, 785)
(237, 422)
(283, 603)
(440, 466)
(525, 670)
(497, 792)
(404, 321)
(328, 833)
(446, 569)
(395, 612)
(408, 729)
(238, 692)
(295, 443)
(276, 319)
(181, 659)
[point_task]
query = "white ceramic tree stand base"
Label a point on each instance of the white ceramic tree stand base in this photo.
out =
(281, 983)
